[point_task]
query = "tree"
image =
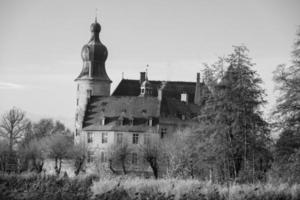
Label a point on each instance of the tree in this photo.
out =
(4, 150)
(79, 155)
(119, 156)
(59, 147)
(47, 127)
(233, 118)
(153, 153)
(12, 126)
(182, 158)
(35, 151)
(287, 117)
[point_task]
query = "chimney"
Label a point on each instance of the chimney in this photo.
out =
(160, 90)
(142, 77)
(198, 77)
(197, 99)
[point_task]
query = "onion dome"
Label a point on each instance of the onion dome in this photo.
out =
(94, 50)
(94, 55)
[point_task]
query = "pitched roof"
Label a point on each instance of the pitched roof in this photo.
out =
(129, 87)
(114, 107)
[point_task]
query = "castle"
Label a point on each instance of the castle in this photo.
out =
(134, 110)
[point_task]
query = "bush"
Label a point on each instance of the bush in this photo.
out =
(32, 186)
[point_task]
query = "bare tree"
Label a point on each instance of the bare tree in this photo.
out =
(119, 154)
(59, 147)
(79, 155)
(13, 125)
(153, 152)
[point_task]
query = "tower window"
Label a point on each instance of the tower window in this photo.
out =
(104, 138)
(135, 138)
(89, 137)
(134, 159)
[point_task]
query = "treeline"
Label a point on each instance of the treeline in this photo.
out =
(26, 145)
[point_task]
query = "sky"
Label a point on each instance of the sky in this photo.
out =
(41, 41)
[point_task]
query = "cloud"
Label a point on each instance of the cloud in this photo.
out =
(12, 86)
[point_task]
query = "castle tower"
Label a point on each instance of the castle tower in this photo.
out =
(93, 79)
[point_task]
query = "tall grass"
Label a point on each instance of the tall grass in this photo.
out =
(138, 188)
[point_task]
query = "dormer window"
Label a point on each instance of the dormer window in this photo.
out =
(121, 121)
(131, 122)
(103, 121)
(150, 121)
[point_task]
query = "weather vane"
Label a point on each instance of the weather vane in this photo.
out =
(96, 14)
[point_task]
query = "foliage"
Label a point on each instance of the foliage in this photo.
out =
(33, 154)
(189, 189)
(182, 158)
(153, 153)
(237, 137)
(287, 116)
(78, 154)
(59, 147)
(32, 186)
(119, 157)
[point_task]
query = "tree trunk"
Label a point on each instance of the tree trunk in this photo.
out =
(154, 166)
(124, 167)
(111, 167)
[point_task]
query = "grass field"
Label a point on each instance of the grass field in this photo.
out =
(32, 186)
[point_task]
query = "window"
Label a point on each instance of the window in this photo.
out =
(76, 117)
(89, 93)
(150, 122)
(89, 137)
(134, 159)
(163, 132)
(104, 138)
(103, 121)
(76, 132)
(131, 122)
(77, 102)
(103, 157)
(135, 138)
(146, 139)
(90, 156)
(119, 138)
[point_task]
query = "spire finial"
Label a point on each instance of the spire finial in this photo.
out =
(96, 14)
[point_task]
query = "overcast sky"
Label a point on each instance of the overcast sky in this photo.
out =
(41, 41)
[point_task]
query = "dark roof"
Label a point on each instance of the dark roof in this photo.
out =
(114, 107)
(132, 107)
(173, 89)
